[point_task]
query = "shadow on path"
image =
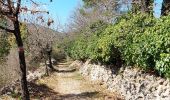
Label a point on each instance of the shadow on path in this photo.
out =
(65, 71)
(83, 95)
(41, 91)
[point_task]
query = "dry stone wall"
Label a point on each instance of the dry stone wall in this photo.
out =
(131, 83)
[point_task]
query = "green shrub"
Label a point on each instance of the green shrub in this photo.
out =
(139, 39)
(85, 46)
(77, 49)
(163, 65)
(4, 44)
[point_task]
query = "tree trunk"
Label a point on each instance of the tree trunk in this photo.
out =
(147, 6)
(50, 63)
(165, 7)
(144, 6)
(49, 51)
(24, 88)
(46, 66)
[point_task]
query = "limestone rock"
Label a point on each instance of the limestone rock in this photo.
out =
(130, 83)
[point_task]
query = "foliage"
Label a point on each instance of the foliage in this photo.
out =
(86, 45)
(24, 35)
(24, 31)
(163, 65)
(4, 44)
(139, 39)
(89, 3)
(76, 49)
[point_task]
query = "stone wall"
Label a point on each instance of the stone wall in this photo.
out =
(130, 83)
(14, 87)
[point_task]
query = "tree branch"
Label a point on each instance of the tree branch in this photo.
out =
(18, 7)
(10, 6)
(3, 12)
(33, 11)
(2, 2)
(8, 30)
(34, 2)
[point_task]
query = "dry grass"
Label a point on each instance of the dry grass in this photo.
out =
(70, 85)
(9, 70)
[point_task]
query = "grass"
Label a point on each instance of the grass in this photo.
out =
(7, 74)
(78, 76)
(9, 69)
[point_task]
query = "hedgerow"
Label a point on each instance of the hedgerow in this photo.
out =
(138, 40)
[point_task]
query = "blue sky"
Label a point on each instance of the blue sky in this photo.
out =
(157, 8)
(60, 10)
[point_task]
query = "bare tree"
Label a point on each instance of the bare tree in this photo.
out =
(11, 9)
(93, 10)
(40, 41)
(12, 13)
(41, 38)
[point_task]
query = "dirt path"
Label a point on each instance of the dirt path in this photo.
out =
(67, 84)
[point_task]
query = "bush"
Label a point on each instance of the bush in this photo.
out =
(4, 45)
(76, 49)
(139, 39)
(85, 46)
(163, 65)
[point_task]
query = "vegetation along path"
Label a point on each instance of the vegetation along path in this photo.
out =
(67, 84)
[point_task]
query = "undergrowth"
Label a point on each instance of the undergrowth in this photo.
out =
(137, 40)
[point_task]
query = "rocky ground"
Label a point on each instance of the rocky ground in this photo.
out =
(131, 83)
(88, 81)
(64, 84)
